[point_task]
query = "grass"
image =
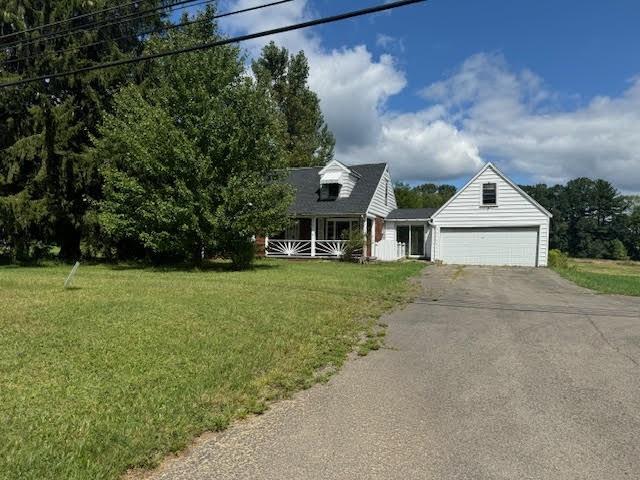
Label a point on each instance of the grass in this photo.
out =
(133, 363)
(606, 276)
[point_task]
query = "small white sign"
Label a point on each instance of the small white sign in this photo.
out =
(68, 283)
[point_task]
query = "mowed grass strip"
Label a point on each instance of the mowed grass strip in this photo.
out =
(606, 276)
(134, 362)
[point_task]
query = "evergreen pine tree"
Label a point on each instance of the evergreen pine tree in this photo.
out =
(46, 179)
(309, 140)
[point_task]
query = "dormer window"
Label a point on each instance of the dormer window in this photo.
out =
(489, 194)
(329, 191)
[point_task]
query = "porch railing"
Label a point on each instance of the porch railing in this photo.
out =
(306, 248)
(288, 248)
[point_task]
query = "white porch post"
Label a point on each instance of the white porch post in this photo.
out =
(364, 234)
(313, 236)
(435, 243)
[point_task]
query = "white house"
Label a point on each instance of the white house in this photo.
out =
(490, 221)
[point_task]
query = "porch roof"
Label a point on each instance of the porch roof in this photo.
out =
(306, 182)
(411, 213)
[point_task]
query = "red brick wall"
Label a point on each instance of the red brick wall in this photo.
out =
(260, 246)
(379, 225)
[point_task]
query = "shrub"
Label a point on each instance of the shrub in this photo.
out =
(242, 252)
(354, 247)
(558, 259)
(617, 250)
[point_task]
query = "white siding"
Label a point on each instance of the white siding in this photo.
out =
(378, 207)
(513, 209)
(428, 239)
(347, 181)
(390, 230)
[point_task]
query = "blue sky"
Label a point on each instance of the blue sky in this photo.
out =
(549, 90)
(580, 47)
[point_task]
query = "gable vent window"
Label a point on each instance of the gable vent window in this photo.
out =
(329, 191)
(489, 194)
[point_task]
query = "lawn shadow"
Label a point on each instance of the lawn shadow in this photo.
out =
(209, 266)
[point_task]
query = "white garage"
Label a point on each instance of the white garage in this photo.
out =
(516, 246)
(490, 221)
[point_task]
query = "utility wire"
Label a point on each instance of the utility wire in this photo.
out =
(71, 19)
(130, 17)
(148, 32)
(217, 43)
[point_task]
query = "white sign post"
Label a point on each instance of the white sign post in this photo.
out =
(68, 283)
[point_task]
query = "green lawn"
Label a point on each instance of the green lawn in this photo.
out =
(133, 363)
(607, 276)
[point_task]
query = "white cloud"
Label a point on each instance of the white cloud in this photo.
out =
(512, 117)
(353, 86)
(483, 110)
(390, 43)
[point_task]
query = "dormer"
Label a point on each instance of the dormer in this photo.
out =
(336, 181)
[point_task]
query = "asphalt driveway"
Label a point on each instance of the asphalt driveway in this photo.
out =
(494, 373)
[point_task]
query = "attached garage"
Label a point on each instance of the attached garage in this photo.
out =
(517, 246)
(490, 221)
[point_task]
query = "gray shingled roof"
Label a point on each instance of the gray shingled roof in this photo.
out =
(306, 181)
(411, 213)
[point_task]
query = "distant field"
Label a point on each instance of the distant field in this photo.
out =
(607, 276)
(134, 362)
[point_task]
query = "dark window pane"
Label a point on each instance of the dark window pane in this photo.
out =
(329, 191)
(402, 234)
(489, 194)
(342, 230)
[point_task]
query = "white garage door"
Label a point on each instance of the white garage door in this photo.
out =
(489, 246)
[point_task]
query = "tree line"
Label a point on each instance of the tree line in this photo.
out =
(426, 195)
(169, 160)
(591, 219)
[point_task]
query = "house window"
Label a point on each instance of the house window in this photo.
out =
(489, 194)
(329, 191)
(339, 229)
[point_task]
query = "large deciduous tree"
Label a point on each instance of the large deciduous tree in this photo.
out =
(309, 141)
(188, 157)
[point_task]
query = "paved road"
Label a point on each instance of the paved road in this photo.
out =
(494, 373)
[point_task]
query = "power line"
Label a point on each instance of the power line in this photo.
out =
(155, 30)
(218, 43)
(130, 17)
(97, 24)
(70, 19)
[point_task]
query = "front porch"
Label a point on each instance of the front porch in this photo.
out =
(322, 237)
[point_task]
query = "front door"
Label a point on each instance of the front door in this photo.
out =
(305, 229)
(417, 241)
(413, 237)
